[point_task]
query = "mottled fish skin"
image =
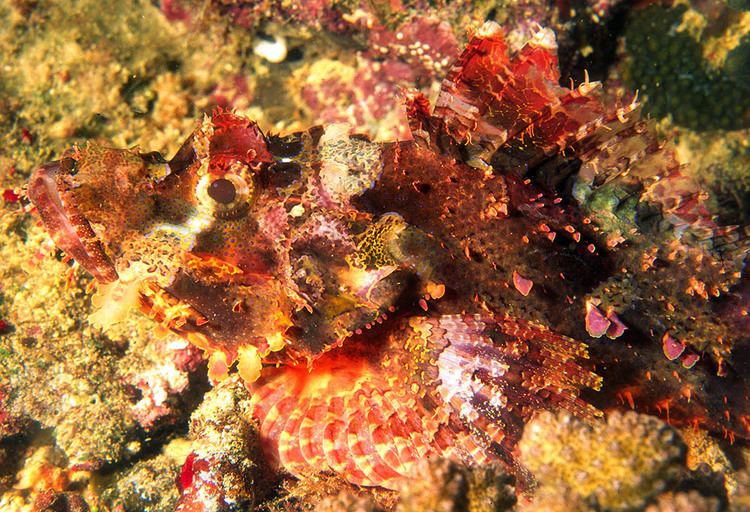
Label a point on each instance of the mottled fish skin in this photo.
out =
(386, 302)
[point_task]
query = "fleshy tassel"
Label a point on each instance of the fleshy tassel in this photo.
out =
(113, 301)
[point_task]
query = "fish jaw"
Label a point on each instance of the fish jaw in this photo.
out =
(70, 230)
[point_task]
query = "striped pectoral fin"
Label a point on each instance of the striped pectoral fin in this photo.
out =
(494, 373)
(311, 449)
(266, 408)
(291, 454)
(342, 417)
(365, 452)
(388, 435)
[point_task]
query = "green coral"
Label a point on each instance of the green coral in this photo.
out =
(739, 5)
(619, 464)
(730, 178)
(667, 64)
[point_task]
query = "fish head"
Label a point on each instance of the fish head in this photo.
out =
(245, 244)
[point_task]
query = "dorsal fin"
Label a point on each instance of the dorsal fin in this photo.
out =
(490, 98)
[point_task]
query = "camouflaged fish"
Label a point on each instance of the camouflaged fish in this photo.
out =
(390, 302)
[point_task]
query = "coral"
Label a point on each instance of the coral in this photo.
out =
(42, 475)
(346, 502)
(739, 5)
(444, 486)
(704, 449)
(326, 493)
(326, 88)
(147, 486)
(438, 485)
(75, 389)
(10, 425)
(427, 45)
(667, 64)
(164, 386)
(50, 501)
(73, 379)
(721, 161)
(80, 71)
(221, 471)
(691, 501)
(739, 497)
(615, 465)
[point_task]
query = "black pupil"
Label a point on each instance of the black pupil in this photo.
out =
(222, 191)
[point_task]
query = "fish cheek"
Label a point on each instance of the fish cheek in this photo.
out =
(233, 318)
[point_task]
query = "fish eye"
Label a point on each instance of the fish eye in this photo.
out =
(222, 191)
(225, 196)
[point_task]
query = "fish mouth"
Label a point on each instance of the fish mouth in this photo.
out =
(69, 229)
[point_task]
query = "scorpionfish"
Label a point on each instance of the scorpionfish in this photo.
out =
(383, 302)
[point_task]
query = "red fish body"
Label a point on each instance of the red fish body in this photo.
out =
(388, 302)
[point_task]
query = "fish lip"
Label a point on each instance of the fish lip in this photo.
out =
(69, 229)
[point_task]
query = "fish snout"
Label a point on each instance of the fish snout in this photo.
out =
(69, 229)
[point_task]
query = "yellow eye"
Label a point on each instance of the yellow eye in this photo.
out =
(226, 196)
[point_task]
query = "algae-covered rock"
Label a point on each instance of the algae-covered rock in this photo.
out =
(328, 493)
(91, 389)
(222, 471)
(691, 501)
(439, 485)
(57, 373)
(618, 464)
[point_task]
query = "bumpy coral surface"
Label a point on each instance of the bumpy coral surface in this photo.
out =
(612, 472)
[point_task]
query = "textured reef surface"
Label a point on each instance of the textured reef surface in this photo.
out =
(375, 256)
